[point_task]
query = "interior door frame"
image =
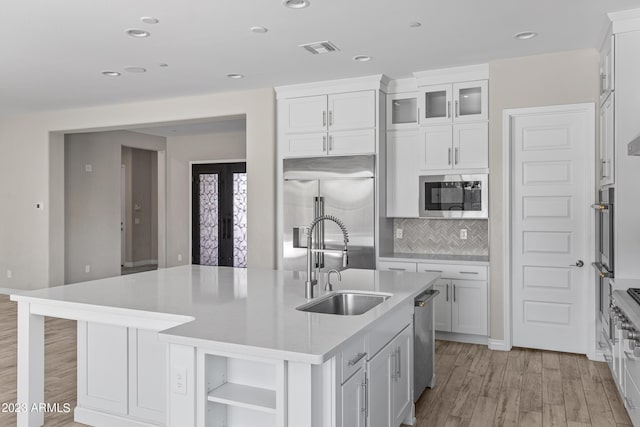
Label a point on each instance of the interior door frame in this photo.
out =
(590, 192)
(189, 182)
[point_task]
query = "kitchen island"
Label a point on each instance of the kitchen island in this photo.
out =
(212, 346)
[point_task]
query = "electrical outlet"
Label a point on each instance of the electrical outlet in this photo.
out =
(399, 233)
(87, 268)
(9, 274)
(88, 168)
(179, 257)
(40, 206)
(463, 234)
(136, 221)
(179, 380)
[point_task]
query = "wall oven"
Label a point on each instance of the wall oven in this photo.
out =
(604, 267)
(454, 196)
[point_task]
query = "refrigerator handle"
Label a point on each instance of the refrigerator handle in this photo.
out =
(321, 225)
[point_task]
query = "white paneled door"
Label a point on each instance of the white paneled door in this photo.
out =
(551, 192)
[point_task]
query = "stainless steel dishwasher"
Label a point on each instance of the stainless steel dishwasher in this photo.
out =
(423, 343)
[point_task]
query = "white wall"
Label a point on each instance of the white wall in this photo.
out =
(92, 201)
(30, 244)
(220, 146)
(552, 79)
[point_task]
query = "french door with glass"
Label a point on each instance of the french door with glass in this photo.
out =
(219, 214)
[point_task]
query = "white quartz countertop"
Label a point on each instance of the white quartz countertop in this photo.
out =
(249, 311)
(443, 258)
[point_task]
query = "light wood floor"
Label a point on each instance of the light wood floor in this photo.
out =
(475, 386)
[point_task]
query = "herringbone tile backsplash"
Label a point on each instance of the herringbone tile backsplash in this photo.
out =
(442, 236)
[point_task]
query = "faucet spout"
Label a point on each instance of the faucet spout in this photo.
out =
(312, 281)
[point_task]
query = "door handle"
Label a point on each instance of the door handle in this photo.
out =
(457, 156)
(324, 118)
(457, 109)
(447, 293)
(448, 109)
(324, 143)
(449, 154)
(454, 292)
(578, 263)
(330, 117)
(330, 142)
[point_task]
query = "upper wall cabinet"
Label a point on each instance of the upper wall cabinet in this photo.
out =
(454, 103)
(607, 74)
(402, 111)
(333, 124)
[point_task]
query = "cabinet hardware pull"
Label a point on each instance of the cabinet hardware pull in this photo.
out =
(396, 269)
(603, 83)
(448, 109)
(330, 117)
(324, 118)
(433, 271)
(356, 359)
(324, 143)
(457, 109)
(418, 116)
(447, 292)
(449, 155)
(454, 292)
(603, 170)
(363, 408)
(394, 364)
(457, 155)
(469, 272)
(330, 142)
(399, 364)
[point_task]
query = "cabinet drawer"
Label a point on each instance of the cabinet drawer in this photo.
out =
(632, 397)
(385, 329)
(397, 266)
(454, 271)
(353, 357)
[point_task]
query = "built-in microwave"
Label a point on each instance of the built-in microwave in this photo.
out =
(454, 196)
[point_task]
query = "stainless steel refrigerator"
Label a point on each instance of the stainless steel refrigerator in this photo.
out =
(340, 186)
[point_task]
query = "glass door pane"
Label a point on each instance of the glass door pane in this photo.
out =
(240, 219)
(435, 104)
(404, 111)
(209, 214)
(470, 101)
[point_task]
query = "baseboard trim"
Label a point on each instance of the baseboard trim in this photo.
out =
(102, 419)
(130, 264)
(498, 345)
(465, 338)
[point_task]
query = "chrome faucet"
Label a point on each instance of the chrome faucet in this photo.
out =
(311, 279)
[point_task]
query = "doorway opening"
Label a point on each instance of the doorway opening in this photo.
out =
(219, 214)
(139, 210)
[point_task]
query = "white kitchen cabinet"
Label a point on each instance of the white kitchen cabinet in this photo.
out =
(471, 146)
(354, 411)
(102, 367)
(402, 173)
(607, 71)
(607, 142)
(389, 382)
(402, 111)
(451, 147)
(462, 306)
(397, 266)
(469, 307)
(335, 124)
(304, 114)
(121, 371)
(442, 306)
(402, 380)
(454, 103)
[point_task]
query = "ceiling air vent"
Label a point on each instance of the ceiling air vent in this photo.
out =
(320, 47)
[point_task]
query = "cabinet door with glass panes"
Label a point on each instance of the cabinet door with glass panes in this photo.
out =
(402, 111)
(454, 103)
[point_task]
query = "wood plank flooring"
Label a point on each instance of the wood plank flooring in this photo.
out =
(474, 386)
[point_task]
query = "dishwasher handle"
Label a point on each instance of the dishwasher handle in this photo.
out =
(425, 297)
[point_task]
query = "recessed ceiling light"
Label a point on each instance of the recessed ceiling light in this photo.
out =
(525, 35)
(258, 30)
(135, 70)
(296, 4)
(149, 20)
(235, 76)
(362, 58)
(110, 73)
(415, 24)
(136, 32)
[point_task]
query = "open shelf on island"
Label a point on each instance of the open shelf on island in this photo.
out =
(244, 396)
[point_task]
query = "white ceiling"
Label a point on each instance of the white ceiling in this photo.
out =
(195, 127)
(53, 52)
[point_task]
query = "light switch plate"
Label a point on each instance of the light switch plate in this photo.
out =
(399, 233)
(179, 380)
(463, 234)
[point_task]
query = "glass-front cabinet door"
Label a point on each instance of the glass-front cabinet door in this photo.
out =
(470, 101)
(402, 111)
(436, 104)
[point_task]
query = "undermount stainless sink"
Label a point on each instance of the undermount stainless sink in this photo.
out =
(345, 303)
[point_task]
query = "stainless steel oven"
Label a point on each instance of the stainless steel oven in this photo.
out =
(604, 264)
(454, 196)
